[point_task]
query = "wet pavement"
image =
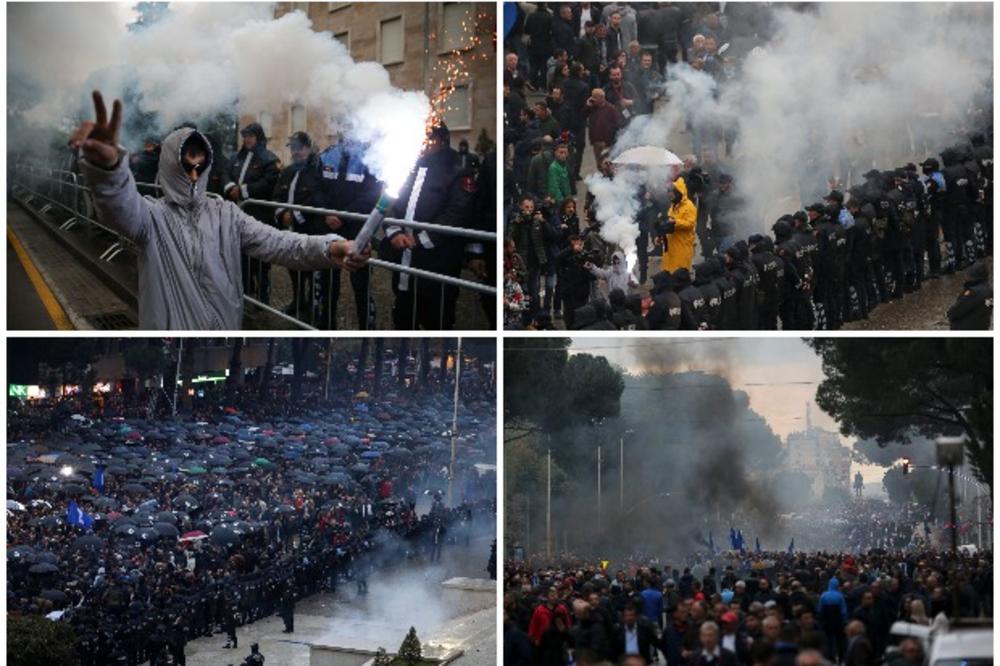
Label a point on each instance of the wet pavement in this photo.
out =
(404, 596)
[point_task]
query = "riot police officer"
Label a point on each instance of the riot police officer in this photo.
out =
(771, 277)
(665, 310)
(704, 280)
(973, 311)
(693, 308)
(796, 310)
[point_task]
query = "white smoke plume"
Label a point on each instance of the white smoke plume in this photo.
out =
(202, 59)
(841, 88)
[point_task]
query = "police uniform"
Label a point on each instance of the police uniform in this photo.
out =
(254, 173)
(440, 192)
(301, 184)
(350, 186)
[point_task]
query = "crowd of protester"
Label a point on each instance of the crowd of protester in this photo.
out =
(738, 608)
(580, 72)
(142, 532)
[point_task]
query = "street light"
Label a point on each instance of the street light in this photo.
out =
(951, 454)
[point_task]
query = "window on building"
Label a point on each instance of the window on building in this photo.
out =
(390, 40)
(456, 26)
(459, 113)
(264, 118)
(336, 6)
(298, 118)
(344, 37)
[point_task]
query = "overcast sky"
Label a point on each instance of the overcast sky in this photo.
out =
(779, 374)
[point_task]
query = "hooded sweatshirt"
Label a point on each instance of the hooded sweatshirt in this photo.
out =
(617, 275)
(189, 245)
(831, 603)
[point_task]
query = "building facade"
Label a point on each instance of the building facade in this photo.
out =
(821, 456)
(415, 43)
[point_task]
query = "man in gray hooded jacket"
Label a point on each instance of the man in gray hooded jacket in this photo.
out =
(189, 244)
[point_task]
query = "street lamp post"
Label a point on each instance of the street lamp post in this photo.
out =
(950, 454)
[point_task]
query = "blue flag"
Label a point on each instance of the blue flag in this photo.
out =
(733, 545)
(757, 539)
(791, 547)
(76, 516)
(739, 540)
(98, 481)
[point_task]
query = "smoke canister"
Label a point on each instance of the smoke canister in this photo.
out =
(371, 225)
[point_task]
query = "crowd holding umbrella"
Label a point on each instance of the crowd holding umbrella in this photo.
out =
(100, 508)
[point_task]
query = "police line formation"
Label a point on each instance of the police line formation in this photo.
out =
(824, 266)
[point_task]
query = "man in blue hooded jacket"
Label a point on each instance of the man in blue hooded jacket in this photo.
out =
(832, 613)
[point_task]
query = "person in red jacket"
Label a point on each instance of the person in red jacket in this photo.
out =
(544, 614)
(604, 122)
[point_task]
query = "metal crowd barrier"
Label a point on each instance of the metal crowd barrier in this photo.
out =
(59, 188)
(320, 284)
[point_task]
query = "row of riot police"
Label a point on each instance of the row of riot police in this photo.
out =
(447, 187)
(837, 260)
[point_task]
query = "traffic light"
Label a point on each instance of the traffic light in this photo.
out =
(906, 466)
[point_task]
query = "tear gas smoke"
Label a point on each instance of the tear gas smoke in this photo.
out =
(841, 88)
(203, 59)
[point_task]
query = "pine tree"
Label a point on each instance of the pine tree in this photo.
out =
(381, 658)
(409, 651)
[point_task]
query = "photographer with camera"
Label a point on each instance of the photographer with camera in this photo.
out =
(528, 232)
(573, 277)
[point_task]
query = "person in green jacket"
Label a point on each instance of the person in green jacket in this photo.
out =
(538, 170)
(558, 186)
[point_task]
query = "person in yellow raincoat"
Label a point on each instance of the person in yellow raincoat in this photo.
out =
(683, 214)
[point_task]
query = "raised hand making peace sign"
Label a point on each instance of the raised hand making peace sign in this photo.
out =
(99, 140)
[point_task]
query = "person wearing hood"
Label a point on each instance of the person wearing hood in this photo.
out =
(679, 230)
(585, 318)
(300, 183)
(189, 245)
(831, 611)
(704, 280)
(973, 311)
(253, 173)
(617, 275)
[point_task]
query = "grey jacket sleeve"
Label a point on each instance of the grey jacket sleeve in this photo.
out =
(119, 204)
(284, 248)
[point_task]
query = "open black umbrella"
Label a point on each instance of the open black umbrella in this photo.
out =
(224, 535)
(285, 509)
(134, 487)
(43, 568)
(108, 503)
(47, 521)
(166, 530)
(165, 517)
(186, 501)
(148, 534)
(21, 554)
(126, 530)
(88, 541)
(46, 556)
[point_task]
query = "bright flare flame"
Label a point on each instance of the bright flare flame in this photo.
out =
(66, 470)
(392, 126)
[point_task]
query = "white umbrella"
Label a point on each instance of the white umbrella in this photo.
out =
(14, 505)
(648, 156)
